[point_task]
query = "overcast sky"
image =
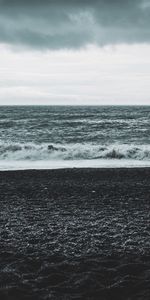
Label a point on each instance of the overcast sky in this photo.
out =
(74, 52)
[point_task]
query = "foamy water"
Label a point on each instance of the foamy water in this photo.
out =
(60, 137)
(59, 164)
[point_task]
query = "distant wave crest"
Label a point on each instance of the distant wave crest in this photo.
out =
(32, 151)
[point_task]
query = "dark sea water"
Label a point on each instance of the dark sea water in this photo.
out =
(53, 136)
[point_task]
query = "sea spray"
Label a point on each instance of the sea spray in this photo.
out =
(46, 151)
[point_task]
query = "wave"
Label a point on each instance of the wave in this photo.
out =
(45, 151)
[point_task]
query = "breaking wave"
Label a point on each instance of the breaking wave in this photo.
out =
(32, 151)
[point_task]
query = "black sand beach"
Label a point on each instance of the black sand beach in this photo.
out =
(75, 234)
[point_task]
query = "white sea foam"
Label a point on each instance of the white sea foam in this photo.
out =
(60, 164)
(85, 154)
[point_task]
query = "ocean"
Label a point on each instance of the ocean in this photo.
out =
(74, 136)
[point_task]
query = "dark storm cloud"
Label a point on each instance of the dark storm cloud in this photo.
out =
(72, 24)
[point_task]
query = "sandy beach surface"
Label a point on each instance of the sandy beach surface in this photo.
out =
(75, 234)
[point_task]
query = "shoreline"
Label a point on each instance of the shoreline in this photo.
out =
(102, 168)
(79, 169)
(71, 164)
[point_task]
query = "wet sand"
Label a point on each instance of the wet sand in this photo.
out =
(75, 234)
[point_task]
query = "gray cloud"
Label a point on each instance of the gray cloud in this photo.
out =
(58, 24)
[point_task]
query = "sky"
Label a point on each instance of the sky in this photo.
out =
(56, 52)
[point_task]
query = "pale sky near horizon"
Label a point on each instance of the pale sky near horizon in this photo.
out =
(75, 52)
